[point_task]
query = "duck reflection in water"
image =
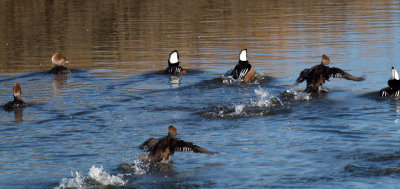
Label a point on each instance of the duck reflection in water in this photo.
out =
(174, 70)
(243, 70)
(393, 89)
(161, 149)
(318, 74)
(59, 62)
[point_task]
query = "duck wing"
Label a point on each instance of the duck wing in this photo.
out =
(240, 71)
(338, 73)
(149, 144)
(183, 146)
(304, 75)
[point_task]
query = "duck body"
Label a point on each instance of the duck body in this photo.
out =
(59, 62)
(173, 65)
(393, 89)
(243, 69)
(161, 149)
(17, 102)
(60, 70)
(318, 74)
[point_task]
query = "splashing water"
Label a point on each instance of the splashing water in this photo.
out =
(265, 99)
(77, 182)
(95, 173)
(104, 178)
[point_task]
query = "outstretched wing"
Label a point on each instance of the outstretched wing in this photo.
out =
(303, 75)
(183, 146)
(149, 144)
(338, 73)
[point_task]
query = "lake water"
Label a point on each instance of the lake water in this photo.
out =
(83, 130)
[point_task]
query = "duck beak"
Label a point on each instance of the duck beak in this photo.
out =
(66, 61)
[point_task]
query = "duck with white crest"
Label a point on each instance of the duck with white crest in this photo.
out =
(59, 62)
(17, 102)
(161, 149)
(318, 74)
(243, 70)
(174, 69)
(393, 90)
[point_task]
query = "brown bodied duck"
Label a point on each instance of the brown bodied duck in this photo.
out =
(161, 149)
(59, 62)
(18, 102)
(243, 69)
(393, 90)
(317, 75)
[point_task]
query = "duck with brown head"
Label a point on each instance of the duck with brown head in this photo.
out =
(243, 70)
(59, 62)
(318, 74)
(393, 90)
(17, 102)
(161, 149)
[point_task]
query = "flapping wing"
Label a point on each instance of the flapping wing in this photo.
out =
(183, 146)
(303, 75)
(338, 73)
(148, 144)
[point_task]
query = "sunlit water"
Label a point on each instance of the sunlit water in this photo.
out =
(83, 130)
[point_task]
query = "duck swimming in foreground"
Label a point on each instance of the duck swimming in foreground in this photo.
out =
(173, 65)
(318, 74)
(161, 149)
(18, 102)
(243, 69)
(394, 86)
(59, 62)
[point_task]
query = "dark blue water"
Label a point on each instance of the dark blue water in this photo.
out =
(83, 130)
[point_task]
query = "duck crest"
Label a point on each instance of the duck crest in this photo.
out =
(395, 74)
(173, 58)
(58, 59)
(172, 132)
(17, 91)
(325, 60)
(243, 56)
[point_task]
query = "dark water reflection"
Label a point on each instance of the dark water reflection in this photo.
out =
(267, 134)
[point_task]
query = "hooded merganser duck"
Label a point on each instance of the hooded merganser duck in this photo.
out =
(59, 62)
(317, 75)
(161, 149)
(394, 86)
(18, 102)
(173, 64)
(243, 69)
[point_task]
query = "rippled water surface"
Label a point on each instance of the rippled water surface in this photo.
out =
(83, 130)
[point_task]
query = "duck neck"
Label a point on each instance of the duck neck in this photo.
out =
(175, 64)
(17, 98)
(243, 62)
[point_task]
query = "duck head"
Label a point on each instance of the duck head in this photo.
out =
(17, 91)
(173, 58)
(243, 56)
(395, 74)
(325, 60)
(172, 132)
(59, 60)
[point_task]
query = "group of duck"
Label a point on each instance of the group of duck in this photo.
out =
(161, 149)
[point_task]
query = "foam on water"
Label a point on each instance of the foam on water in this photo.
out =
(95, 173)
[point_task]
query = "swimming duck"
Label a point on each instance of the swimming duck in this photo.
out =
(59, 62)
(161, 149)
(173, 64)
(317, 75)
(18, 102)
(243, 69)
(394, 86)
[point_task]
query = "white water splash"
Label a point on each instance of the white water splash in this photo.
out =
(296, 95)
(78, 181)
(239, 108)
(104, 178)
(95, 173)
(265, 99)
